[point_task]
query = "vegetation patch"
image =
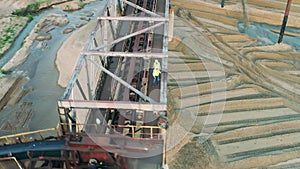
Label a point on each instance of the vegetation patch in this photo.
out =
(31, 9)
(4, 72)
(192, 156)
(9, 31)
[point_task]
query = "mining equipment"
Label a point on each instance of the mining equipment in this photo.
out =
(111, 115)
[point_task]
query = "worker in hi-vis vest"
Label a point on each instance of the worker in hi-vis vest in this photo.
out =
(156, 73)
(156, 64)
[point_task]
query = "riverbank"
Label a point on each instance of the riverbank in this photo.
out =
(69, 53)
(12, 82)
(12, 25)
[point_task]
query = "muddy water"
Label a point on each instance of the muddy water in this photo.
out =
(263, 32)
(40, 66)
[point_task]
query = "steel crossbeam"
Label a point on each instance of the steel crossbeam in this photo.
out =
(133, 18)
(145, 55)
(105, 104)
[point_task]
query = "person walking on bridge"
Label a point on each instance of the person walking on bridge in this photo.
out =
(156, 64)
(156, 73)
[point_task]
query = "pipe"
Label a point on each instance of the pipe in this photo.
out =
(245, 19)
(222, 3)
(285, 19)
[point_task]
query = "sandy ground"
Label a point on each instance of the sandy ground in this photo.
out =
(259, 95)
(247, 73)
(9, 6)
(68, 54)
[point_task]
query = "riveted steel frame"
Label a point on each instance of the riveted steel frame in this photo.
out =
(93, 59)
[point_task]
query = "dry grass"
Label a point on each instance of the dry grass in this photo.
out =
(192, 156)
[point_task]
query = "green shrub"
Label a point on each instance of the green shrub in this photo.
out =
(6, 37)
(22, 44)
(10, 30)
(68, 7)
(2, 42)
(31, 9)
(5, 72)
(30, 18)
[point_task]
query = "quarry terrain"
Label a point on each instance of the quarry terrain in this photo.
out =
(233, 101)
(241, 96)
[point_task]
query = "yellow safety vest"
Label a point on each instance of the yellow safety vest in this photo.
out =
(156, 72)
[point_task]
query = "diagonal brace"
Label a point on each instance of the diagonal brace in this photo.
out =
(123, 82)
(129, 36)
(141, 8)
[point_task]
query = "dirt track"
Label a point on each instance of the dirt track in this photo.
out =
(245, 101)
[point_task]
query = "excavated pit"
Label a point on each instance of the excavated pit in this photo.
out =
(245, 102)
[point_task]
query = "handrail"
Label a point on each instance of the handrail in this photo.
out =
(14, 138)
(12, 159)
(154, 131)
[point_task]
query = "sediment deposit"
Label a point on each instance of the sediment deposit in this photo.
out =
(241, 97)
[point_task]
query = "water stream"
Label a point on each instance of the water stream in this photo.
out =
(263, 32)
(40, 66)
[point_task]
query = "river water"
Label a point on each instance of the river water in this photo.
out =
(40, 66)
(263, 33)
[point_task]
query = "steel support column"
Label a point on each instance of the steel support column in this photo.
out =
(164, 74)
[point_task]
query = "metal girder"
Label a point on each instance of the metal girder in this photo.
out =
(126, 54)
(90, 94)
(133, 18)
(111, 25)
(141, 8)
(81, 90)
(74, 77)
(124, 82)
(129, 36)
(163, 89)
(80, 63)
(89, 50)
(99, 104)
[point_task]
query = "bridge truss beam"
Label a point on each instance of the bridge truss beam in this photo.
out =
(97, 51)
